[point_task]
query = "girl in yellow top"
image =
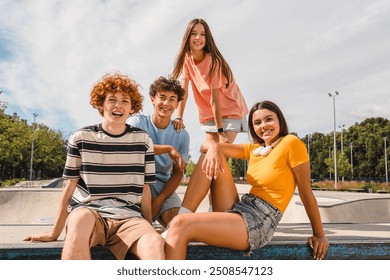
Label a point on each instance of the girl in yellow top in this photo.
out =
(278, 162)
(221, 106)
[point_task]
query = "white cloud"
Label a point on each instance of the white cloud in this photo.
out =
(292, 52)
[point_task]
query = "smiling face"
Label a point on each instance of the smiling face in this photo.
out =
(197, 40)
(117, 108)
(266, 125)
(165, 103)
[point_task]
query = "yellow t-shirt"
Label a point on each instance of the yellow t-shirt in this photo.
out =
(271, 176)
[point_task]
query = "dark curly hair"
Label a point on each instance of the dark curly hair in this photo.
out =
(112, 84)
(166, 84)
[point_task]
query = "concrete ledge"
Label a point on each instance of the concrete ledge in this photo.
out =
(352, 233)
(347, 242)
(276, 250)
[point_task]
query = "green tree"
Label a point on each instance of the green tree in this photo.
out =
(49, 152)
(15, 148)
(363, 147)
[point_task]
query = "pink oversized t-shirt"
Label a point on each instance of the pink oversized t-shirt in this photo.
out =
(232, 102)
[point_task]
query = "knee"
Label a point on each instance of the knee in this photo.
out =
(80, 223)
(150, 246)
(156, 241)
(179, 225)
(80, 216)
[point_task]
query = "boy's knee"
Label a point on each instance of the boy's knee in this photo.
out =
(80, 222)
(156, 240)
(150, 246)
(152, 240)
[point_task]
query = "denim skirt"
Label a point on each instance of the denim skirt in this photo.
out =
(261, 219)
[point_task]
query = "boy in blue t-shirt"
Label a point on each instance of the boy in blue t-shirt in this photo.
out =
(171, 147)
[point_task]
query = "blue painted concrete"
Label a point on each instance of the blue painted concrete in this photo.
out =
(338, 250)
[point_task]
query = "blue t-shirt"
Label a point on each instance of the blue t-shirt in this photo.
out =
(166, 136)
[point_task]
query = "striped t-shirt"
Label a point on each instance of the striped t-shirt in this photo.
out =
(111, 170)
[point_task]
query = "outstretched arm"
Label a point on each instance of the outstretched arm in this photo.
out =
(318, 242)
(178, 122)
(62, 214)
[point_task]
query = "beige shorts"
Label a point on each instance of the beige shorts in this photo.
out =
(118, 235)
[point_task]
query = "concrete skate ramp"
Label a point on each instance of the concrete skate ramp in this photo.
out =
(360, 211)
(26, 206)
(337, 207)
(39, 206)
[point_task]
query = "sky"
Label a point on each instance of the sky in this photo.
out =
(291, 52)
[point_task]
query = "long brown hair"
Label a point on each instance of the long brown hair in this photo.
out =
(210, 47)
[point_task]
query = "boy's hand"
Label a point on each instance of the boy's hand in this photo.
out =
(43, 237)
(177, 159)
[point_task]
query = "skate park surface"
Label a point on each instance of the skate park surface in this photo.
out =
(357, 226)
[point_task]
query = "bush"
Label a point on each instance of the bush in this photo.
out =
(9, 182)
(369, 187)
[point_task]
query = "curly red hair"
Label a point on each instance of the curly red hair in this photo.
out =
(112, 84)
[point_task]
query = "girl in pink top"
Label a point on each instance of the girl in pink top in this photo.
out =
(221, 106)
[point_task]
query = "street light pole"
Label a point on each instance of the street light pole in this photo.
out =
(342, 130)
(387, 178)
(32, 146)
(308, 147)
(308, 144)
(330, 172)
(351, 160)
(334, 136)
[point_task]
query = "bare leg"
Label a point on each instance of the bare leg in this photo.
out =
(231, 135)
(149, 247)
(81, 223)
(197, 188)
(224, 191)
(226, 230)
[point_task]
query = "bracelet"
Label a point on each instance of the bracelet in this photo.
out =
(178, 119)
(220, 129)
